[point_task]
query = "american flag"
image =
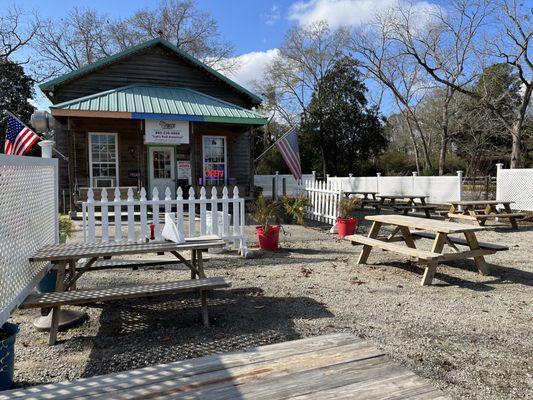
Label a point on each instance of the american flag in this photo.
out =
(19, 138)
(288, 147)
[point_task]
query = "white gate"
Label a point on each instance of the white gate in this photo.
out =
(324, 201)
(28, 221)
(194, 216)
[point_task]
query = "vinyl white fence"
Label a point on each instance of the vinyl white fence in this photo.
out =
(439, 189)
(222, 216)
(324, 201)
(28, 221)
(515, 185)
(280, 184)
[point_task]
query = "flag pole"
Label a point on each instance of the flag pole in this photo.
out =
(273, 144)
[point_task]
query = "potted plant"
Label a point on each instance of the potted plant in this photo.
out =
(48, 283)
(264, 212)
(8, 333)
(346, 223)
(294, 207)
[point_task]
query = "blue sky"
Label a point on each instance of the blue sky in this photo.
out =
(254, 27)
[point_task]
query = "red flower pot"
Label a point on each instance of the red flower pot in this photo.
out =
(268, 240)
(346, 226)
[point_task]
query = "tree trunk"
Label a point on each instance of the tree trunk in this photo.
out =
(415, 147)
(442, 155)
(515, 149)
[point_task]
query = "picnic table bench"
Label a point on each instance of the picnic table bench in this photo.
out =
(368, 199)
(439, 231)
(478, 211)
(336, 366)
(407, 203)
(71, 254)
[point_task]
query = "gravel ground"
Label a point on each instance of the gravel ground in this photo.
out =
(469, 334)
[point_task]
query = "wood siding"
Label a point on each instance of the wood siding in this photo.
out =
(155, 66)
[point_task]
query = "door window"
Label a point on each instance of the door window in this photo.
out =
(162, 164)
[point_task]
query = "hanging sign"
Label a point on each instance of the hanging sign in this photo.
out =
(159, 131)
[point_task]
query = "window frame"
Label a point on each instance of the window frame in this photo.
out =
(204, 137)
(91, 134)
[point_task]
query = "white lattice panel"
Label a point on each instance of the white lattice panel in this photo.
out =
(28, 221)
(516, 185)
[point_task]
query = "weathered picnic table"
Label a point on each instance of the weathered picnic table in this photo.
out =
(368, 199)
(408, 203)
(336, 366)
(80, 257)
(438, 230)
(478, 211)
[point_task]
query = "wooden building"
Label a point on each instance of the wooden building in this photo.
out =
(152, 116)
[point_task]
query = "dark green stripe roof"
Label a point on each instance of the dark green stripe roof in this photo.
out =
(147, 99)
(115, 57)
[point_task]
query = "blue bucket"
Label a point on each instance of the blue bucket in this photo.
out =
(7, 356)
(48, 283)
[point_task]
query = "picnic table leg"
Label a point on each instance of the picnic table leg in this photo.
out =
(200, 262)
(55, 310)
(374, 230)
(431, 267)
(72, 273)
(426, 211)
(512, 220)
(193, 262)
(407, 237)
(481, 265)
(205, 315)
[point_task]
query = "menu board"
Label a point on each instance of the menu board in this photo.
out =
(184, 170)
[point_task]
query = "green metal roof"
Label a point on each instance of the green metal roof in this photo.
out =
(149, 102)
(115, 57)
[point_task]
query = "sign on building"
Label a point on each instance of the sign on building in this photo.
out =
(158, 131)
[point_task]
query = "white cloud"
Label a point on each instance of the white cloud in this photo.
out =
(345, 12)
(273, 15)
(250, 67)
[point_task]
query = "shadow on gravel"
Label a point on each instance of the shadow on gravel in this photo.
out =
(140, 333)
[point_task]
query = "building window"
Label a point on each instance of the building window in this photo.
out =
(103, 159)
(214, 160)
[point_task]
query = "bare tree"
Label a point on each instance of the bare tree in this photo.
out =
(449, 51)
(14, 33)
(306, 55)
(384, 62)
(86, 35)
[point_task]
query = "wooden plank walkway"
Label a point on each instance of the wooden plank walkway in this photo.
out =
(337, 366)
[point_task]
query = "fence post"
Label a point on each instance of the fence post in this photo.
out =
(460, 187)
(46, 148)
(499, 167)
(415, 174)
(284, 186)
(314, 175)
(378, 175)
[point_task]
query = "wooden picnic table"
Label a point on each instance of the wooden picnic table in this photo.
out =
(478, 211)
(336, 366)
(369, 198)
(80, 257)
(429, 259)
(410, 202)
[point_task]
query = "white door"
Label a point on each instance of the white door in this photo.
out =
(161, 165)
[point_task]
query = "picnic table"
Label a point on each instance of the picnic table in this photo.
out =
(336, 366)
(408, 203)
(440, 231)
(478, 211)
(80, 257)
(369, 198)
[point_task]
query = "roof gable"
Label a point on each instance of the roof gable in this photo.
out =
(103, 62)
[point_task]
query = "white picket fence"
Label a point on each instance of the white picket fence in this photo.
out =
(221, 216)
(515, 185)
(324, 201)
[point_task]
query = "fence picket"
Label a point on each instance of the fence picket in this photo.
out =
(155, 213)
(214, 211)
(235, 211)
(131, 216)
(105, 217)
(168, 206)
(192, 213)
(144, 217)
(179, 208)
(203, 217)
(91, 211)
(118, 215)
(225, 211)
